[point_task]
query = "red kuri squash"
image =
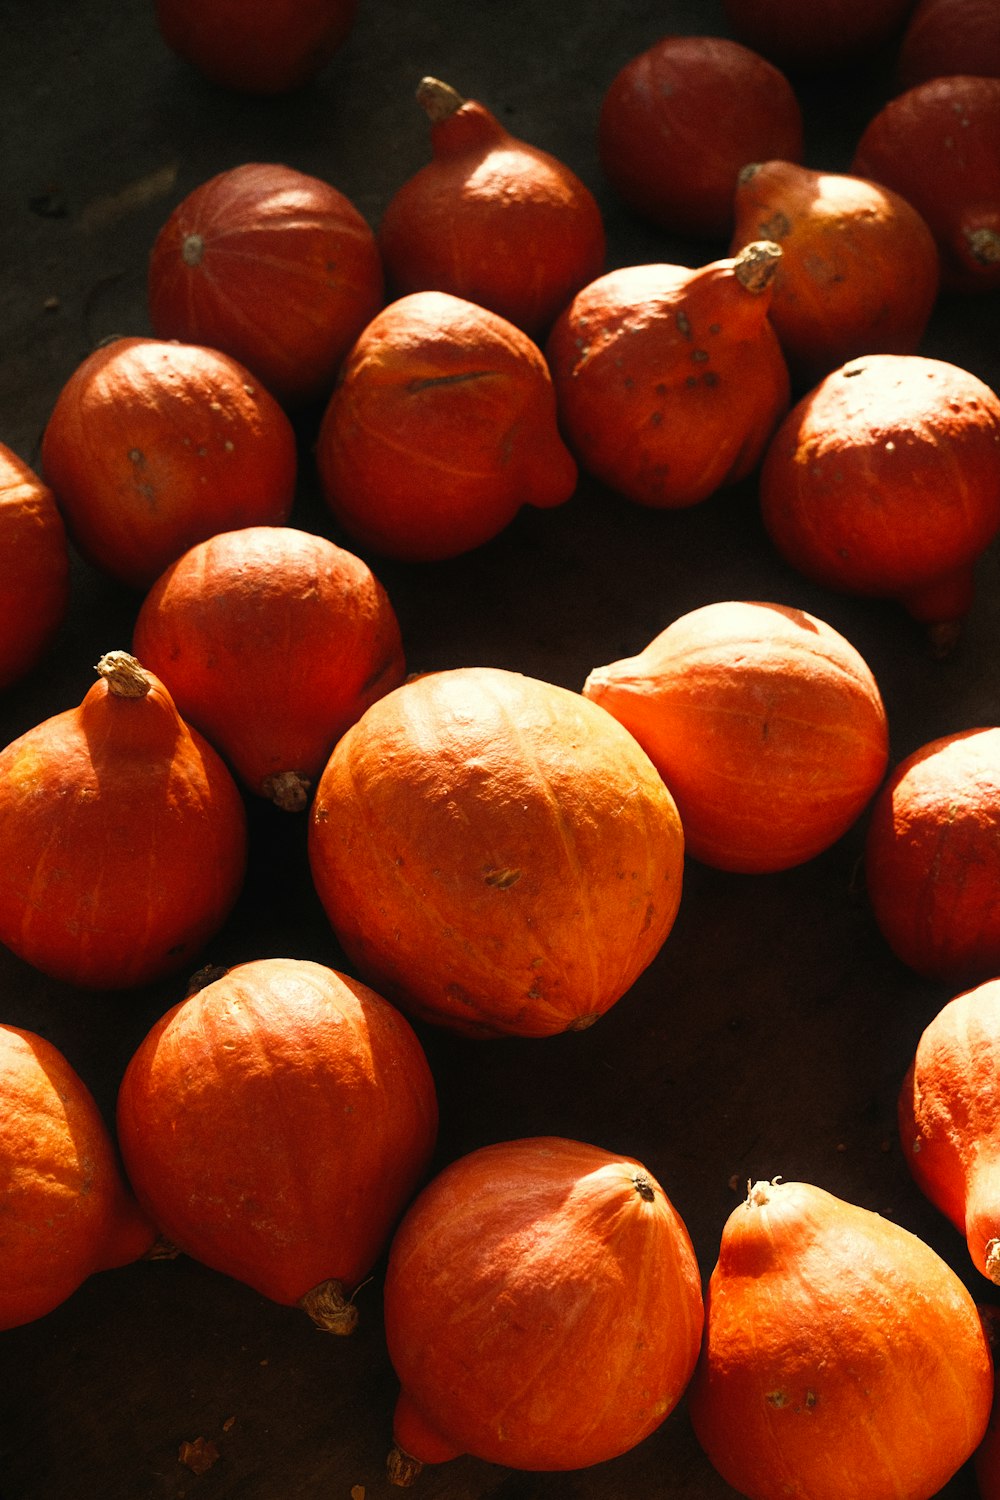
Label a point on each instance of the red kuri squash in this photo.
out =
(256, 46)
(34, 568)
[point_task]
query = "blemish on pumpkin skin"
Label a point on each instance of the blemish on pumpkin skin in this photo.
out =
(502, 879)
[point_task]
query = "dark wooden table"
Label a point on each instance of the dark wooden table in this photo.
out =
(769, 1037)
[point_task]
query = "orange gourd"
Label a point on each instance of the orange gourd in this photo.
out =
(947, 37)
(443, 425)
(765, 723)
(152, 446)
(275, 266)
(986, 1459)
(274, 1124)
(543, 1309)
(34, 568)
(936, 144)
(884, 480)
(949, 1119)
(490, 218)
(67, 1211)
(932, 858)
(843, 1359)
(679, 120)
(216, 628)
(122, 836)
(815, 38)
(495, 853)
(670, 381)
(859, 268)
(256, 46)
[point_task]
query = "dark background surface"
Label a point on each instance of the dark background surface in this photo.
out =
(769, 1037)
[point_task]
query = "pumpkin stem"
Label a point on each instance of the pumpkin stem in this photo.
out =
(402, 1468)
(756, 264)
(329, 1309)
(161, 1249)
(984, 246)
(124, 675)
(288, 790)
(438, 100)
(992, 1260)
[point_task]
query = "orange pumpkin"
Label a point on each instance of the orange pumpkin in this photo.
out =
(216, 627)
(932, 858)
(884, 480)
(67, 1211)
(843, 1359)
(490, 218)
(495, 853)
(765, 723)
(274, 266)
(670, 381)
(256, 46)
(986, 1459)
(274, 1124)
(34, 568)
(859, 268)
(443, 425)
(947, 37)
(936, 144)
(680, 119)
(152, 446)
(949, 1119)
(122, 836)
(543, 1309)
(812, 38)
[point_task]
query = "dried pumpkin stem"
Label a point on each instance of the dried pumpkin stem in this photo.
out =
(984, 246)
(124, 675)
(288, 790)
(755, 265)
(329, 1309)
(438, 100)
(402, 1468)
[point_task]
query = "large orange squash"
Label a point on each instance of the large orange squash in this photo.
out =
(34, 568)
(271, 641)
(275, 1123)
(670, 381)
(67, 1211)
(122, 836)
(495, 853)
(766, 724)
(843, 1359)
(543, 1309)
(949, 1119)
(932, 858)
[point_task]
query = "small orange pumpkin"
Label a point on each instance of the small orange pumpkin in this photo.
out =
(670, 381)
(490, 218)
(216, 627)
(859, 269)
(256, 46)
(986, 1459)
(680, 119)
(884, 480)
(274, 1124)
(34, 568)
(496, 854)
(67, 1211)
(765, 723)
(949, 1119)
(152, 446)
(946, 37)
(543, 1309)
(122, 836)
(274, 266)
(443, 425)
(932, 858)
(843, 1359)
(815, 38)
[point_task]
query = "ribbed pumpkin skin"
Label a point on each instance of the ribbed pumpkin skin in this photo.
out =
(275, 1124)
(34, 567)
(272, 642)
(495, 853)
(152, 446)
(66, 1209)
(670, 381)
(932, 858)
(949, 1119)
(274, 266)
(122, 841)
(543, 1307)
(765, 723)
(843, 1359)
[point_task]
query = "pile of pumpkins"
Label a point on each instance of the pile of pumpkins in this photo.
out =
(496, 854)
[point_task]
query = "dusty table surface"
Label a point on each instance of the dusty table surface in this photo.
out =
(771, 1034)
